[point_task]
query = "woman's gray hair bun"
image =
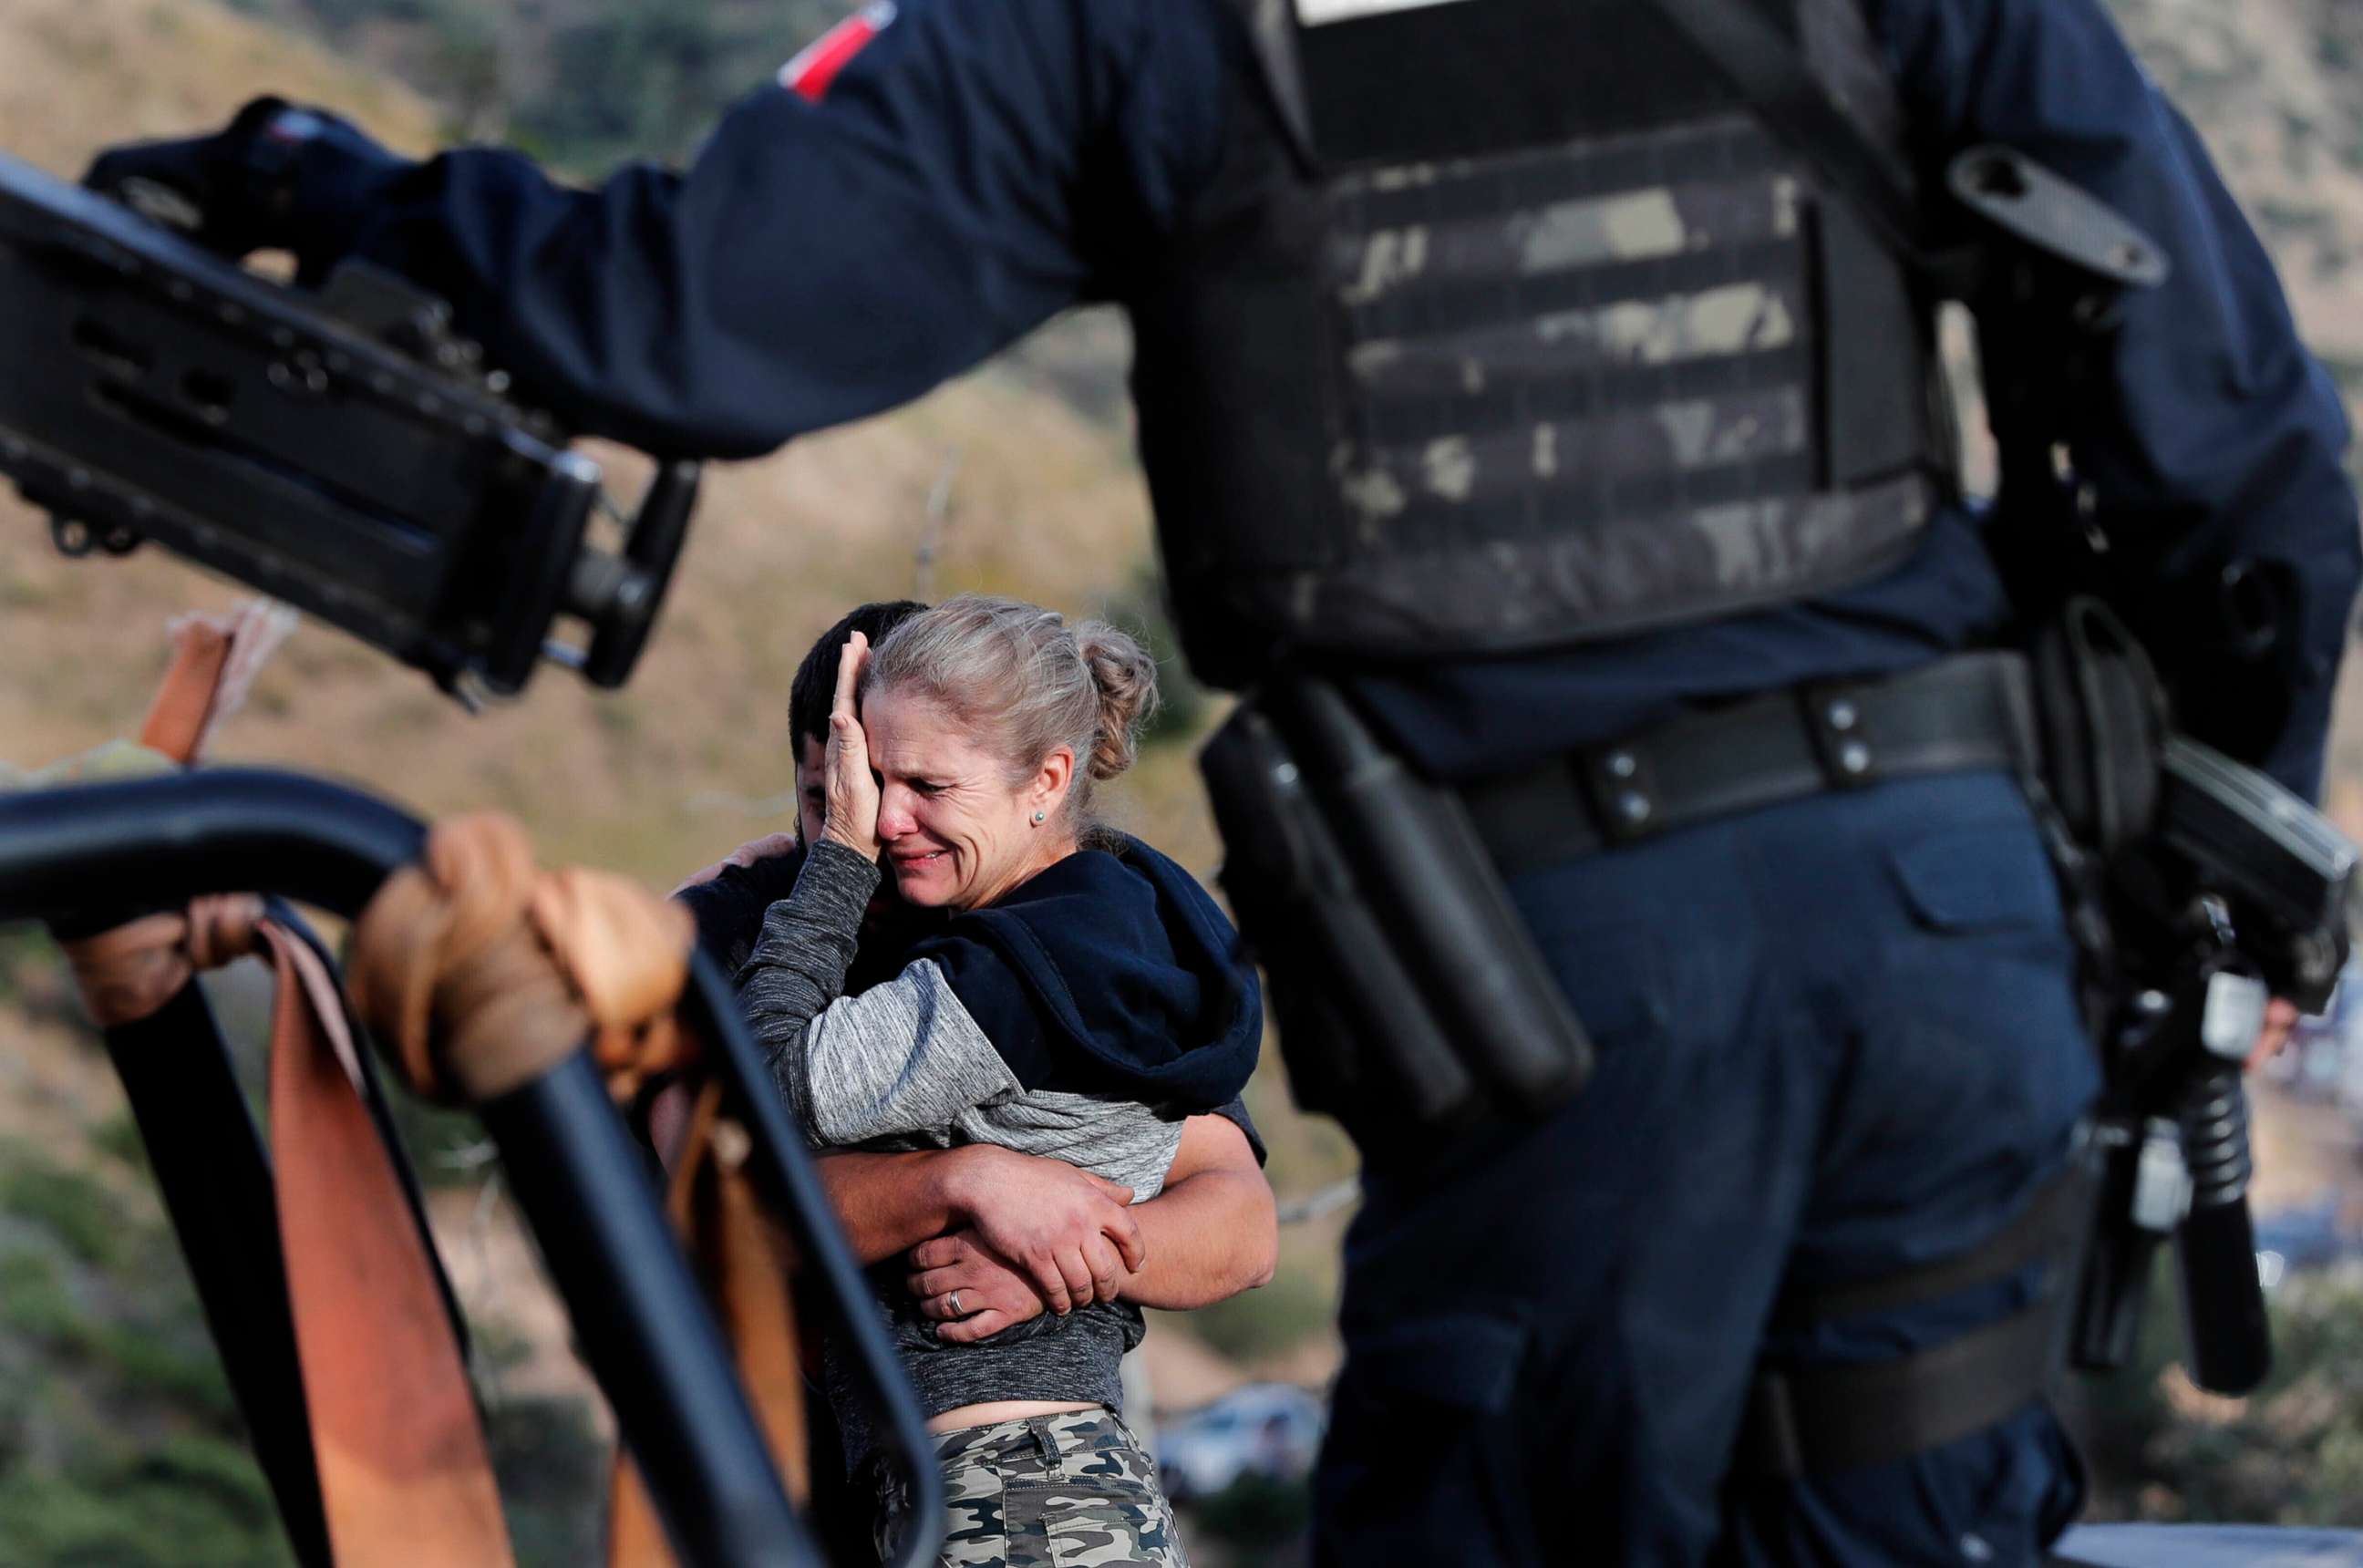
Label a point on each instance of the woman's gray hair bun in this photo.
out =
(1125, 678)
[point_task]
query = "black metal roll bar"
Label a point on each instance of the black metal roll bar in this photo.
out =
(112, 850)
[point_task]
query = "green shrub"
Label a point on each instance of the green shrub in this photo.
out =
(118, 1138)
(33, 1303)
(1257, 1515)
(2290, 1453)
(553, 1473)
(80, 1212)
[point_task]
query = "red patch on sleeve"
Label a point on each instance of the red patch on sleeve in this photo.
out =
(818, 64)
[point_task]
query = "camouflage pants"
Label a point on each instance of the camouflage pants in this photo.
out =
(1050, 1492)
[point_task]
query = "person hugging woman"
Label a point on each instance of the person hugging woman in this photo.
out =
(1078, 998)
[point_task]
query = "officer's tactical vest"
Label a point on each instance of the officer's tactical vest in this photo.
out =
(1507, 326)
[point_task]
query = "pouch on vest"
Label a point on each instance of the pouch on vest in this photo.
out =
(1407, 989)
(2102, 714)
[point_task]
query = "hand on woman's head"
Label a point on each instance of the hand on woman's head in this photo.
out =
(853, 788)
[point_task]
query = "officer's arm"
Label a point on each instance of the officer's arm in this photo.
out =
(2217, 439)
(957, 181)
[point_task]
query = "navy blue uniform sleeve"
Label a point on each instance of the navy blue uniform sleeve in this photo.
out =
(1004, 1010)
(2219, 439)
(970, 172)
(1236, 1113)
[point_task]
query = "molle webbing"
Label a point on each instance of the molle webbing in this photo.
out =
(1599, 361)
(1519, 333)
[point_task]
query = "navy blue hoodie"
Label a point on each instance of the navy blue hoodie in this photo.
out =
(1111, 973)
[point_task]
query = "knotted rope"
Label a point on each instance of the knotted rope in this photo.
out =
(479, 973)
(129, 972)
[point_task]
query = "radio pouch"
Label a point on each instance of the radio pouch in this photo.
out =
(2102, 710)
(1408, 990)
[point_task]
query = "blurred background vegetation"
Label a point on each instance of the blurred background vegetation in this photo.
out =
(117, 1442)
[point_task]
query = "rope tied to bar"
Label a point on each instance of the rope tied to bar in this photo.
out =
(479, 973)
(127, 974)
(124, 974)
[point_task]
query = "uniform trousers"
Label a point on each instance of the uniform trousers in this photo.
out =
(1837, 1039)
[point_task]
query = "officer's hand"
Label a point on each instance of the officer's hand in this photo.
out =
(2280, 1017)
(204, 186)
(991, 1294)
(853, 788)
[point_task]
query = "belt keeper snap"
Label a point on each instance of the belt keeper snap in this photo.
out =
(1835, 720)
(1624, 791)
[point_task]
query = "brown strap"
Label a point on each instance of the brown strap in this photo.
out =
(480, 973)
(746, 1267)
(177, 719)
(214, 660)
(127, 974)
(404, 1476)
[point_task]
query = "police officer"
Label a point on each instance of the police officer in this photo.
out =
(1499, 355)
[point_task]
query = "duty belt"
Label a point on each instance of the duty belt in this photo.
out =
(1965, 714)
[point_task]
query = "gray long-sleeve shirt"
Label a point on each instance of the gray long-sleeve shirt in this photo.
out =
(904, 1060)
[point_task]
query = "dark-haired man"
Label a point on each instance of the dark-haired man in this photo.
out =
(729, 896)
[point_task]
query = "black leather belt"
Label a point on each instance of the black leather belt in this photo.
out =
(1968, 712)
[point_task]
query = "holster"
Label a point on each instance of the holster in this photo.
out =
(1409, 996)
(2102, 710)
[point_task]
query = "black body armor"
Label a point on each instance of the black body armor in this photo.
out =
(1508, 327)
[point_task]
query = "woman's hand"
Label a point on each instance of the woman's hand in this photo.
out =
(852, 813)
(969, 1289)
(1068, 1233)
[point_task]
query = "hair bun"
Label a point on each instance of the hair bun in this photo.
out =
(1125, 678)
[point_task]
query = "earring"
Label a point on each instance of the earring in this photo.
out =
(1039, 818)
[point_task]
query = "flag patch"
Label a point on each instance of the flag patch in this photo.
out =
(818, 62)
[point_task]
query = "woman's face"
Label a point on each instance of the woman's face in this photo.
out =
(954, 834)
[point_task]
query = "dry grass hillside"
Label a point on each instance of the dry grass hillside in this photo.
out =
(82, 73)
(2276, 87)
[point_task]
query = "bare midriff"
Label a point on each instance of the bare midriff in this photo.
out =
(992, 1412)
